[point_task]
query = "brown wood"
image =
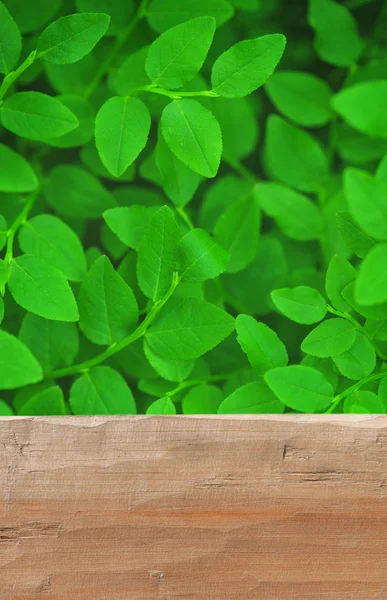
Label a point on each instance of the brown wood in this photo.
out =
(194, 508)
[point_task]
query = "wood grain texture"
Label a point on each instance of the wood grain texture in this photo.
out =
(194, 508)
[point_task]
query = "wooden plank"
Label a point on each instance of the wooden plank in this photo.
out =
(194, 508)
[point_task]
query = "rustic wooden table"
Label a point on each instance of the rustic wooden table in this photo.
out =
(194, 508)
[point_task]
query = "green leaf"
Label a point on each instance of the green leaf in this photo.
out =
(252, 398)
(70, 38)
(41, 289)
(359, 242)
(200, 257)
(5, 409)
(337, 41)
(164, 14)
(5, 272)
(157, 254)
(202, 400)
(330, 338)
(131, 73)
(377, 311)
(129, 223)
(364, 402)
(48, 238)
(301, 304)
(121, 132)
(187, 328)
(247, 65)
(239, 125)
(10, 41)
(83, 134)
(301, 97)
(18, 367)
(75, 193)
(163, 406)
(220, 195)
(294, 157)
(339, 274)
(262, 345)
(193, 134)
(53, 343)
(371, 283)
(16, 175)
(178, 54)
(302, 388)
(367, 201)
(36, 116)
(171, 370)
(363, 107)
(108, 310)
(238, 230)
(359, 361)
(119, 11)
(296, 215)
(28, 18)
(179, 182)
(101, 391)
(92, 161)
(47, 402)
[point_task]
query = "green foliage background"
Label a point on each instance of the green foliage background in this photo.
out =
(193, 206)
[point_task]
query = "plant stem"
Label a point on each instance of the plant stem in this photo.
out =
(240, 168)
(120, 41)
(118, 346)
(153, 89)
(13, 75)
(353, 389)
(181, 212)
(18, 222)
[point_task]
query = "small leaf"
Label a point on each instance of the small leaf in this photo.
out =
(171, 370)
(262, 345)
(187, 328)
(5, 409)
(41, 289)
(330, 338)
(157, 254)
(179, 181)
(121, 132)
(371, 283)
(129, 223)
(75, 193)
(252, 398)
(367, 201)
(16, 175)
(108, 310)
(101, 391)
(70, 38)
(337, 41)
(36, 116)
(364, 402)
(301, 304)
(47, 402)
(302, 97)
(55, 344)
(18, 367)
(164, 14)
(193, 134)
(131, 73)
(359, 361)
(339, 274)
(359, 242)
(363, 107)
(238, 230)
(48, 238)
(296, 215)
(200, 257)
(302, 388)
(163, 406)
(10, 41)
(247, 66)
(178, 54)
(294, 157)
(201, 400)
